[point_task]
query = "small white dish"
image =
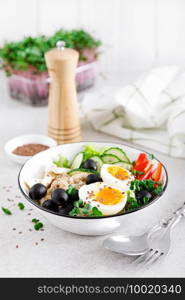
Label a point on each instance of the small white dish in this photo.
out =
(12, 144)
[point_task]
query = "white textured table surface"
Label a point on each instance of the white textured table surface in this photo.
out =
(62, 254)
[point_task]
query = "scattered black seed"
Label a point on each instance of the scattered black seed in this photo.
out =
(20, 232)
(30, 229)
(36, 243)
(42, 240)
(13, 228)
(17, 246)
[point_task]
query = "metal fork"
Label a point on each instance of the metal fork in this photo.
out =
(159, 246)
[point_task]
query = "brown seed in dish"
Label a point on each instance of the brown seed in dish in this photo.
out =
(29, 149)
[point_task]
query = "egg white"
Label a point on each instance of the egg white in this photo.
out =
(87, 195)
(111, 180)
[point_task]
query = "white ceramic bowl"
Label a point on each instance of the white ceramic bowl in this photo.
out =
(26, 139)
(83, 225)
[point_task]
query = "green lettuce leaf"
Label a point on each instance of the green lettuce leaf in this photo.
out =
(62, 162)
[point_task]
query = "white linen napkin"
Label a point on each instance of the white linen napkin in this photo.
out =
(149, 112)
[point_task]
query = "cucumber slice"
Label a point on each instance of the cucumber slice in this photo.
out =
(77, 161)
(99, 162)
(118, 152)
(123, 164)
(79, 170)
(109, 158)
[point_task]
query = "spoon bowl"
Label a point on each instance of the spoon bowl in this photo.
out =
(132, 245)
(128, 245)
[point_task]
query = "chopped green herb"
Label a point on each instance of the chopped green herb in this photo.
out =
(78, 203)
(6, 211)
(74, 212)
(81, 209)
(21, 205)
(150, 156)
(155, 188)
(87, 206)
(85, 211)
(71, 191)
(149, 185)
(35, 220)
(158, 190)
(145, 200)
(131, 201)
(96, 212)
(38, 225)
(135, 172)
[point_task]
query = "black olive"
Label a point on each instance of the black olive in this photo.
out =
(89, 164)
(93, 178)
(143, 194)
(37, 191)
(59, 197)
(65, 210)
(50, 205)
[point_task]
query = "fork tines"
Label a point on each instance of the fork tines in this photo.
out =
(148, 257)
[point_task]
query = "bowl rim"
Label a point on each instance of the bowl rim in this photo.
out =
(100, 217)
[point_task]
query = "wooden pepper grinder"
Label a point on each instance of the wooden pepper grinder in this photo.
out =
(63, 119)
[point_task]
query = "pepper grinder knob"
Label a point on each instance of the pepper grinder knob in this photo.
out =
(63, 117)
(60, 45)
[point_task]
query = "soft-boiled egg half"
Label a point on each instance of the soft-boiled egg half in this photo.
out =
(108, 199)
(116, 176)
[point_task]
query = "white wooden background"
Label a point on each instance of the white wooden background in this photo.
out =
(136, 34)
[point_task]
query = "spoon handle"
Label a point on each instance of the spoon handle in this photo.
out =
(166, 224)
(176, 216)
(173, 222)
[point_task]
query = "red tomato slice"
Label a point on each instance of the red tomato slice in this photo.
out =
(141, 162)
(157, 175)
(148, 173)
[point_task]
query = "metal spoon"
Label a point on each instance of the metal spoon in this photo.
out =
(136, 245)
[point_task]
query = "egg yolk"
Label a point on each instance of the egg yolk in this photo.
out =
(118, 172)
(109, 196)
